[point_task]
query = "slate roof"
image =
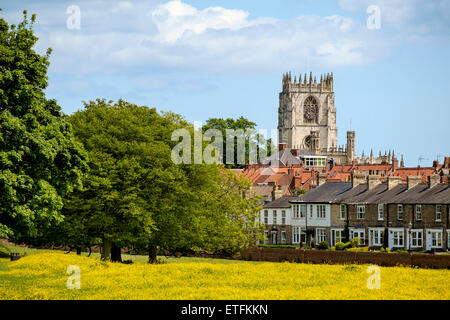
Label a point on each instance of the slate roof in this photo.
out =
(379, 194)
(283, 157)
(325, 193)
(421, 194)
(282, 202)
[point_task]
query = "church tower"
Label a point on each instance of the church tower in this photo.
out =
(307, 115)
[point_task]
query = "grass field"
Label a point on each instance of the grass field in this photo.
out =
(42, 275)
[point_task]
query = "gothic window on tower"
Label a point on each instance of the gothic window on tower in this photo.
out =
(308, 143)
(311, 109)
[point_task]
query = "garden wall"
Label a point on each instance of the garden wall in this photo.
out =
(346, 257)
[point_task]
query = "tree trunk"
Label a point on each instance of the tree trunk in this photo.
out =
(79, 251)
(106, 250)
(116, 254)
(152, 252)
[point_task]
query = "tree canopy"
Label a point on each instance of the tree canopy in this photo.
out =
(40, 161)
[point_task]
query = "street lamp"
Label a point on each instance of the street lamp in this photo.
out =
(409, 233)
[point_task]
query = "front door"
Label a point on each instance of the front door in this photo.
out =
(274, 237)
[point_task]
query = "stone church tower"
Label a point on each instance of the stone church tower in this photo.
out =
(307, 115)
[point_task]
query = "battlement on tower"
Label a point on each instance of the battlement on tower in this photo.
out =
(325, 84)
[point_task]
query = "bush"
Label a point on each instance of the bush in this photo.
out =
(385, 250)
(323, 245)
(340, 246)
(360, 249)
(355, 242)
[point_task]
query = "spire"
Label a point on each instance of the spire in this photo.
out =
(300, 79)
(295, 79)
(310, 78)
(304, 81)
(320, 78)
(315, 82)
(402, 163)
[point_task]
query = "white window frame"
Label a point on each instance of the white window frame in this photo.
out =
(438, 213)
(433, 232)
(321, 235)
(380, 212)
(296, 211)
(283, 237)
(337, 238)
(274, 217)
(399, 212)
(321, 211)
(359, 232)
(376, 236)
(416, 238)
(418, 211)
(361, 209)
(397, 238)
(343, 211)
(303, 210)
(266, 217)
(296, 235)
(283, 217)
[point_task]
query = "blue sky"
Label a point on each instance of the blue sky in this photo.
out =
(225, 58)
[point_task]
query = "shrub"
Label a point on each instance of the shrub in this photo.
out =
(360, 249)
(323, 245)
(340, 246)
(355, 242)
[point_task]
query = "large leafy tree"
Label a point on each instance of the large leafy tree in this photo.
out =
(135, 196)
(244, 129)
(40, 161)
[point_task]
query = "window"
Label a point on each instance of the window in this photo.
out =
(398, 237)
(358, 234)
(310, 211)
(418, 212)
(274, 217)
(380, 212)
(295, 235)
(376, 237)
(321, 214)
(266, 217)
(296, 211)
(303, 211)
(321, 235)
(283, 237)
(400, 212)
(361, 211)
(438, 213)
(436, 239)
(337, 236)
(311, 109)
(343, 211)
(283, 217)
(416, 239)
(448, 239)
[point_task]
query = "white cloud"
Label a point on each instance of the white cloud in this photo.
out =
(175, 18)
(126, 36)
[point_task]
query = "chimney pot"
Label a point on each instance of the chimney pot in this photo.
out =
(412, 181)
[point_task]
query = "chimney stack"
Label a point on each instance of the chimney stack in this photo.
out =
(277, 192)
(433, 179)
(412, 181)
(392, 182)
(358, 178)
(322, 178)
(373, 181)
(282, 146)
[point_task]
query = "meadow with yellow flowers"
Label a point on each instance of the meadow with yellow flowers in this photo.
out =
(44, 276)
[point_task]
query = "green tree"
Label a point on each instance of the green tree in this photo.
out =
(248, 132)
(135, 196)
(40, 161)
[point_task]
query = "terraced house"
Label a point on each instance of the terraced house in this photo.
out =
(389, 213)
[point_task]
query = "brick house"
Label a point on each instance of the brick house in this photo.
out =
(389, 213)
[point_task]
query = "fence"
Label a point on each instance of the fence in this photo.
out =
(347, 257)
